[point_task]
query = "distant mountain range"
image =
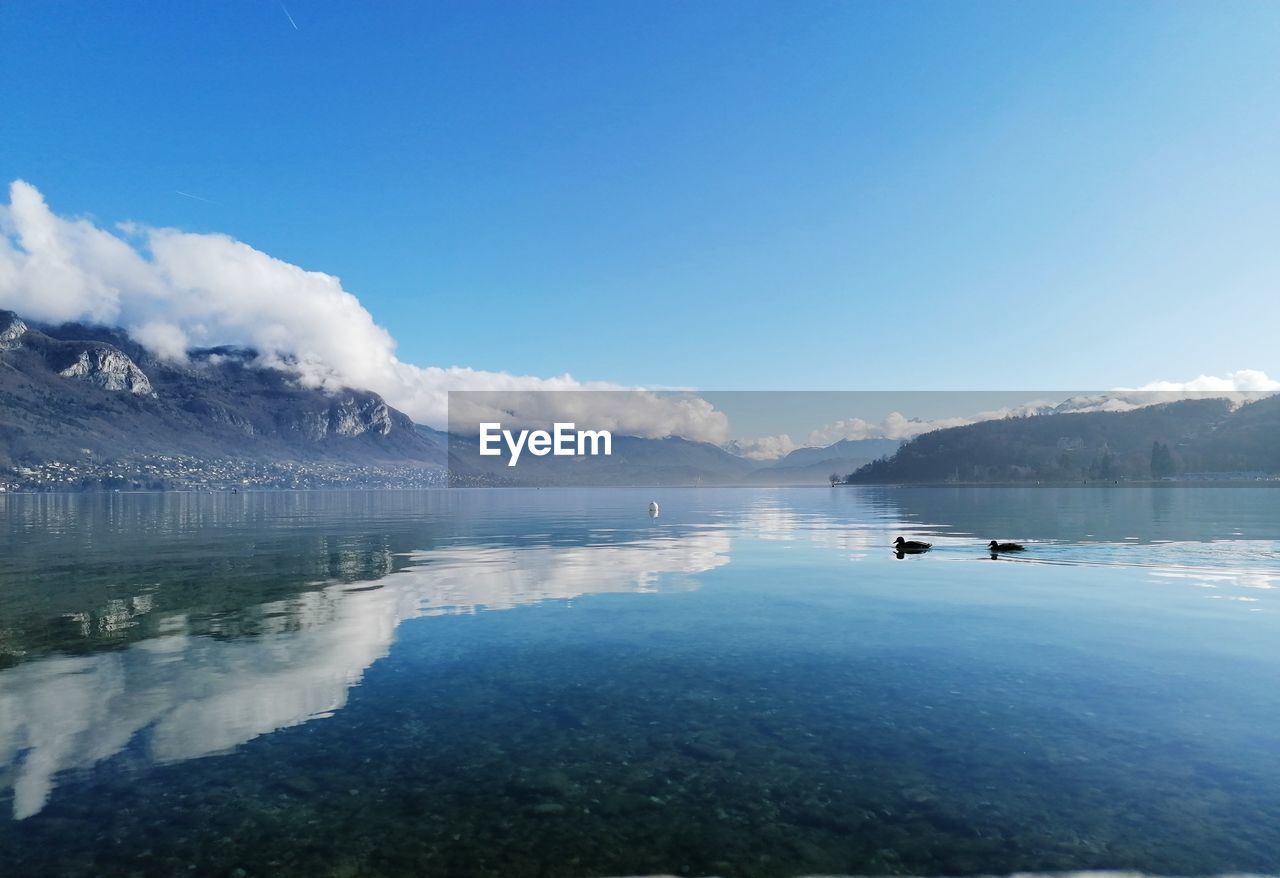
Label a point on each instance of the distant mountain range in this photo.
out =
(817, 465)
(86, 407)
(669, 461)
(1195, 438)
(82, 394)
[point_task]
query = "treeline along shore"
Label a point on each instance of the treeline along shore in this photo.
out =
(1199, 440)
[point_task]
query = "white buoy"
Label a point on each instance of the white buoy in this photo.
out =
(653, 509)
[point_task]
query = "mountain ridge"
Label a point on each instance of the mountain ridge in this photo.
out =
(85, 406)
(74, 391)
(75, 396)
(1164, 440)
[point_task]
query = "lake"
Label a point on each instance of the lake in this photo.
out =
(553, 683)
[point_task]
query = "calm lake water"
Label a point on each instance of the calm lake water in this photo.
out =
(552, 683)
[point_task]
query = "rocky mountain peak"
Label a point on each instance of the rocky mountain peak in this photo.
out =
(108, 368)
(355, 417)
(11, 331)
(348, 414)
(71, 386)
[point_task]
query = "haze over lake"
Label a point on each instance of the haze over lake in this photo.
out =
(554, 683)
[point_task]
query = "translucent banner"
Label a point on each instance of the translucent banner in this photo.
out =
(644, 437)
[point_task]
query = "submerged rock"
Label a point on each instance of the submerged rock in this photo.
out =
(299, 785)
(706, 749)
(549, 783)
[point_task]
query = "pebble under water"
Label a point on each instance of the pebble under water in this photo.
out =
(553, 683)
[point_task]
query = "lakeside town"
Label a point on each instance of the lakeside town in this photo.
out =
(164, 472)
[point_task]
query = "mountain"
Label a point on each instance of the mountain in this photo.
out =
(85, 406)
(814, 466)
(1193, 436)
(668, 461)
(1248, 440)
(82, 394)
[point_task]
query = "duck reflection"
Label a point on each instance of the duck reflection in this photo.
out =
(200, 695)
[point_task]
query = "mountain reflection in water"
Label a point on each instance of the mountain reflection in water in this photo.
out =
(750, 684)
(195, 696)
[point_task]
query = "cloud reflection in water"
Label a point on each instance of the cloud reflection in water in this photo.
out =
(182, 696)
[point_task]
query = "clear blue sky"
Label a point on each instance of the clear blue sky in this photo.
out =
(722, 195)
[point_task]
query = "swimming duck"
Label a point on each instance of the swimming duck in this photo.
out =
(911, 545)
(1005, 547)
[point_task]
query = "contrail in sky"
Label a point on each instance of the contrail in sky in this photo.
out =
(288, 16)
(194, 197)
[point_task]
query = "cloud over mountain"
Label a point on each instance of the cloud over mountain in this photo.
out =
(1242, 381)
(1240, 387)
(175, 290)
(1243, 386)
(762, 448)
(896, 425)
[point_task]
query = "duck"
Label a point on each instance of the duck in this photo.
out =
(1005, 547)
(902, 545)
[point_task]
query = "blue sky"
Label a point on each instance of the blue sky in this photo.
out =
(721, 195)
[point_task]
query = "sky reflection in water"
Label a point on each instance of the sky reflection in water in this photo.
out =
(764, 644)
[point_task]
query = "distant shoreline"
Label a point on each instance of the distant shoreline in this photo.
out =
(1127, 483)
(1196, 483)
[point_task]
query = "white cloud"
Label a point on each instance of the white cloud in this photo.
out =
(164, 339)
(174, 290)
(896, 425)
(58, 269)
(1244, 381)
(629, 412)
(64, 713)
(763, 448)
(1243, 386)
